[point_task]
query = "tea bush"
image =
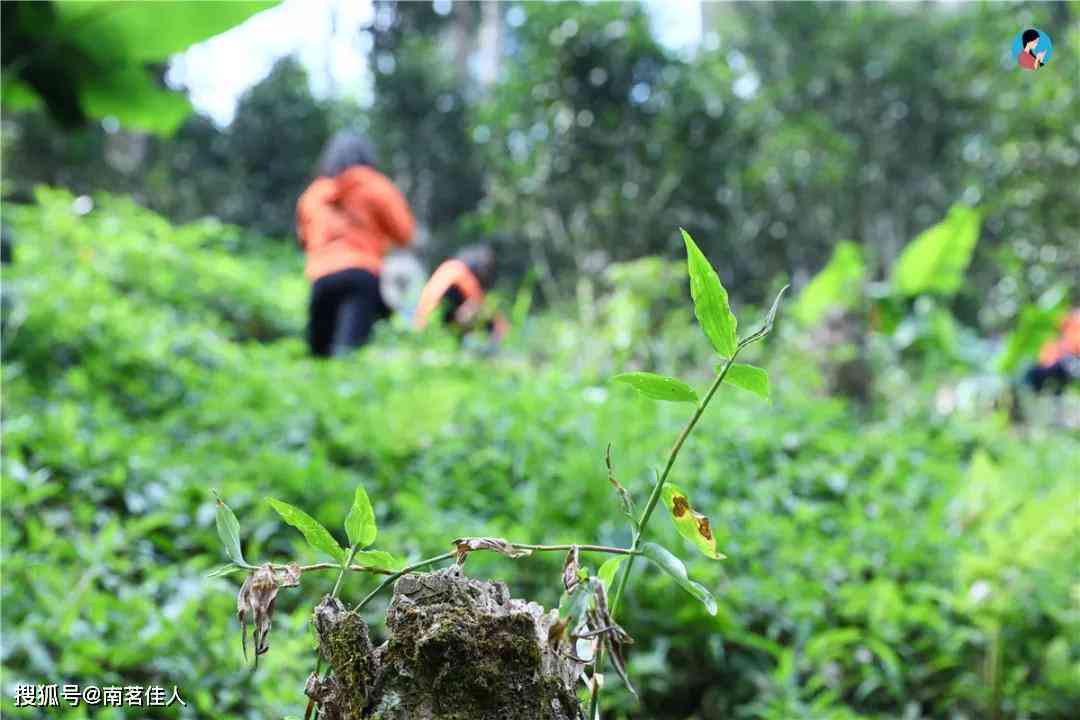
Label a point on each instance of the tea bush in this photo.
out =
(883, 561)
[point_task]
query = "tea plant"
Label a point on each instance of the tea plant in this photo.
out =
(586, 614)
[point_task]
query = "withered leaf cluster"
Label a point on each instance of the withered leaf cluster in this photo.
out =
(588, 623)
(601, 626)
(256, 599)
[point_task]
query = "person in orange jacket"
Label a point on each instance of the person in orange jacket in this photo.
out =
(347, 219)
(457, 287)
(1059, 360)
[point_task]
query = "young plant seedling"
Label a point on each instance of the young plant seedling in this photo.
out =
(586, 630)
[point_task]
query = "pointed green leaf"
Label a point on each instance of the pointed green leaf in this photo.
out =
(658, 387)
(228, 528)
(770, 318)
(935, 261)
(674, 567)
(749, 378)
(710, 300)
(360, 524)
(316, 535)
(691, 524)
(377, 559)
(607, 571)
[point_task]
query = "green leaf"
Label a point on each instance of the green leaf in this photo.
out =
(710, 300)
(316, 535)
(18, 95)
(658, 387)
(935, 261)
(691, 524)
(607, 571)
(102, 49)
(134, 98)
(360, 524)
(748, 377)
(674, 567)
(221, 570)
(377, 559)
(228, 528)
(146, 32)
(835, 286)
(574, 603)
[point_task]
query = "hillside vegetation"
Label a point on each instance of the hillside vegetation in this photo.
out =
(886, 559)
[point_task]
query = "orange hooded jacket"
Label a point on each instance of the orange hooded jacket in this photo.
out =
(1067, 344)
(351, 221)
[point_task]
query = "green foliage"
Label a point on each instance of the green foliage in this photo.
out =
(360, 523)
(748, 377)
(674, 567)
(268, 152)
(89, 58)
(317, 536)
(837, 285)
(710, 301)
(423, 117)
(228, 528)
(1035, 325)
(377, 559)
(606, 573)
(869, 549)
(936, 259)
(658, 387)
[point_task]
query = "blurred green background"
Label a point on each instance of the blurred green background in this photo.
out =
(902, 522)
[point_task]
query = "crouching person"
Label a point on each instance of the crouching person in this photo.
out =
(456, 290)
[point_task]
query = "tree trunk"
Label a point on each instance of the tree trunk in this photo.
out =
(458, 649)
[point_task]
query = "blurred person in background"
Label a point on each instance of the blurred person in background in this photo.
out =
(1059, 360)
(347, 219)
(457, 289)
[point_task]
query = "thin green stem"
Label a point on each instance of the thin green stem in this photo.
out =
(335, 566)
(654, 498)
(394, 576)
(345, 566)
(582, 548)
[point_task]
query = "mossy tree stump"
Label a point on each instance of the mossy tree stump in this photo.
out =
(458, 649)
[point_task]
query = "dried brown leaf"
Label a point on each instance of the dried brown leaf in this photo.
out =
(466, 545)
(624, 495)
(609, 634)
(256, 599)
(571, 569)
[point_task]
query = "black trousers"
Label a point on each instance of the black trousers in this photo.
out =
(1054, 377)
(344, 308)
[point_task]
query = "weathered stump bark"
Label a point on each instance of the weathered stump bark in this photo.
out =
(458, 649)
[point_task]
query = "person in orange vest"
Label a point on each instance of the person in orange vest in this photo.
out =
(347, 219)
(1059, 360)
(457, 289)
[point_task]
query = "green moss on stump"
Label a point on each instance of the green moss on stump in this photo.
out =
(458, 649)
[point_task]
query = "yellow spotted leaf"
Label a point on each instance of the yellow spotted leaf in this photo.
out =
(691, 524)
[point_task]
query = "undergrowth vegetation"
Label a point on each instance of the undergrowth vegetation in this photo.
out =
(884, 559)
